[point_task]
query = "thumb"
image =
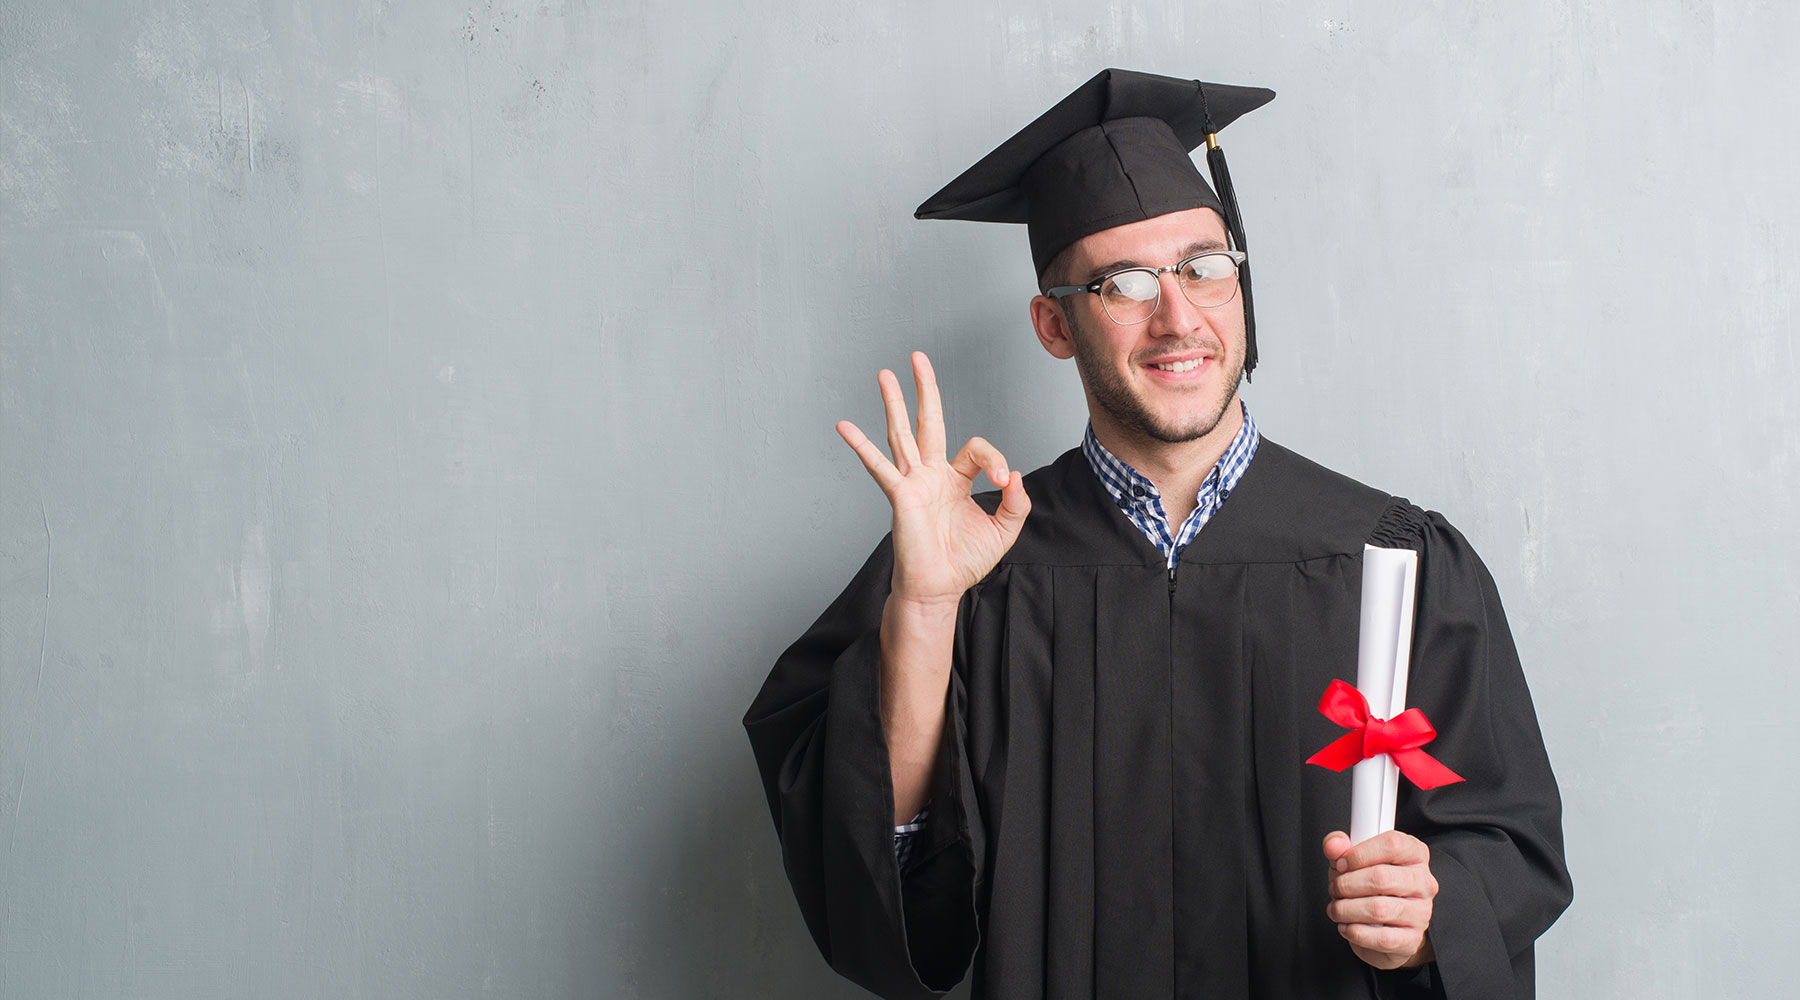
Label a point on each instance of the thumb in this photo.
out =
(1337, 844)
(1014, 506)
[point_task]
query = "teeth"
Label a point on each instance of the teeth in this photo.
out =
(1180, 366)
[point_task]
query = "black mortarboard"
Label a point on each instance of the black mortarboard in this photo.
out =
(1113, 152)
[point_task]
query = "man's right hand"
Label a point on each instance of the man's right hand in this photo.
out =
(943, 541)
(943, 544)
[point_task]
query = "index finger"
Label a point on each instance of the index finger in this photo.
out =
(1384, 880)
(931, 407)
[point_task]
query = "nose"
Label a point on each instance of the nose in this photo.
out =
(1175, 316)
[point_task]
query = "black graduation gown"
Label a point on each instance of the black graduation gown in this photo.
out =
(1122, 807)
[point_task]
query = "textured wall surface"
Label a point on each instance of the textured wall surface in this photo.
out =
(417, 444)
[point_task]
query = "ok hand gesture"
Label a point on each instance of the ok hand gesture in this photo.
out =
(943, 541)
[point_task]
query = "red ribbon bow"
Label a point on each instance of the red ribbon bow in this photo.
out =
(1399, 737)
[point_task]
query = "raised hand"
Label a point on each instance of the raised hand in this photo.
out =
(943, 541)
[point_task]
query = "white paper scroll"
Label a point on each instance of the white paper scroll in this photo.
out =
(1383, 652)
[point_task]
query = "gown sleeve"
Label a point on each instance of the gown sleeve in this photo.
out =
(1496, 838)
(815, 729)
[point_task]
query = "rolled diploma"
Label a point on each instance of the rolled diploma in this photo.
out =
(1383, 653)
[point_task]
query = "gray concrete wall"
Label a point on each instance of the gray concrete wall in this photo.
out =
(417, 443)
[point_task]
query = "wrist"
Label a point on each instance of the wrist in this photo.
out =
(931, 613)
(1424, 956)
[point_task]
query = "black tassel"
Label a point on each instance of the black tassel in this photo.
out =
(1234, 225)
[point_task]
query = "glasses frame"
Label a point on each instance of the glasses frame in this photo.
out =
(1237, 257)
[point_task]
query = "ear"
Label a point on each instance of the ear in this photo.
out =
(1052, 327)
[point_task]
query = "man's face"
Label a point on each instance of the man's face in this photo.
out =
(1127, 369)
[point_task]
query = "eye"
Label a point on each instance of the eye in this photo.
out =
(1212, 267)
(1130, 286)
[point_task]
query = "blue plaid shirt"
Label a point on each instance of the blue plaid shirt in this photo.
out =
(1142, 503)
(1139, 498)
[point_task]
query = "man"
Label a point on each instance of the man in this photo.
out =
(1085, 702)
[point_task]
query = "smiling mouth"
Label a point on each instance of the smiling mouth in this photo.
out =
(1179, 366)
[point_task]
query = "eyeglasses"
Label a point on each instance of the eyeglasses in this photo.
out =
(1132, 294)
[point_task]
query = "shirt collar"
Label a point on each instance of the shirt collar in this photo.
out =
(1128, 487)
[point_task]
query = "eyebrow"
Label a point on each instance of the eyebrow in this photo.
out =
(1199, 246)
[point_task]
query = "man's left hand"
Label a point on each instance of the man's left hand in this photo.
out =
(1381, 893)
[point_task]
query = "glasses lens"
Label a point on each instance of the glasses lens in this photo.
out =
(1130, 296)
(1209, 279)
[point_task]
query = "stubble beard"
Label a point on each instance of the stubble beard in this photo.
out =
(1127, 409)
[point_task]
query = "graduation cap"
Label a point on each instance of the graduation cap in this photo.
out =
(1113, 152)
